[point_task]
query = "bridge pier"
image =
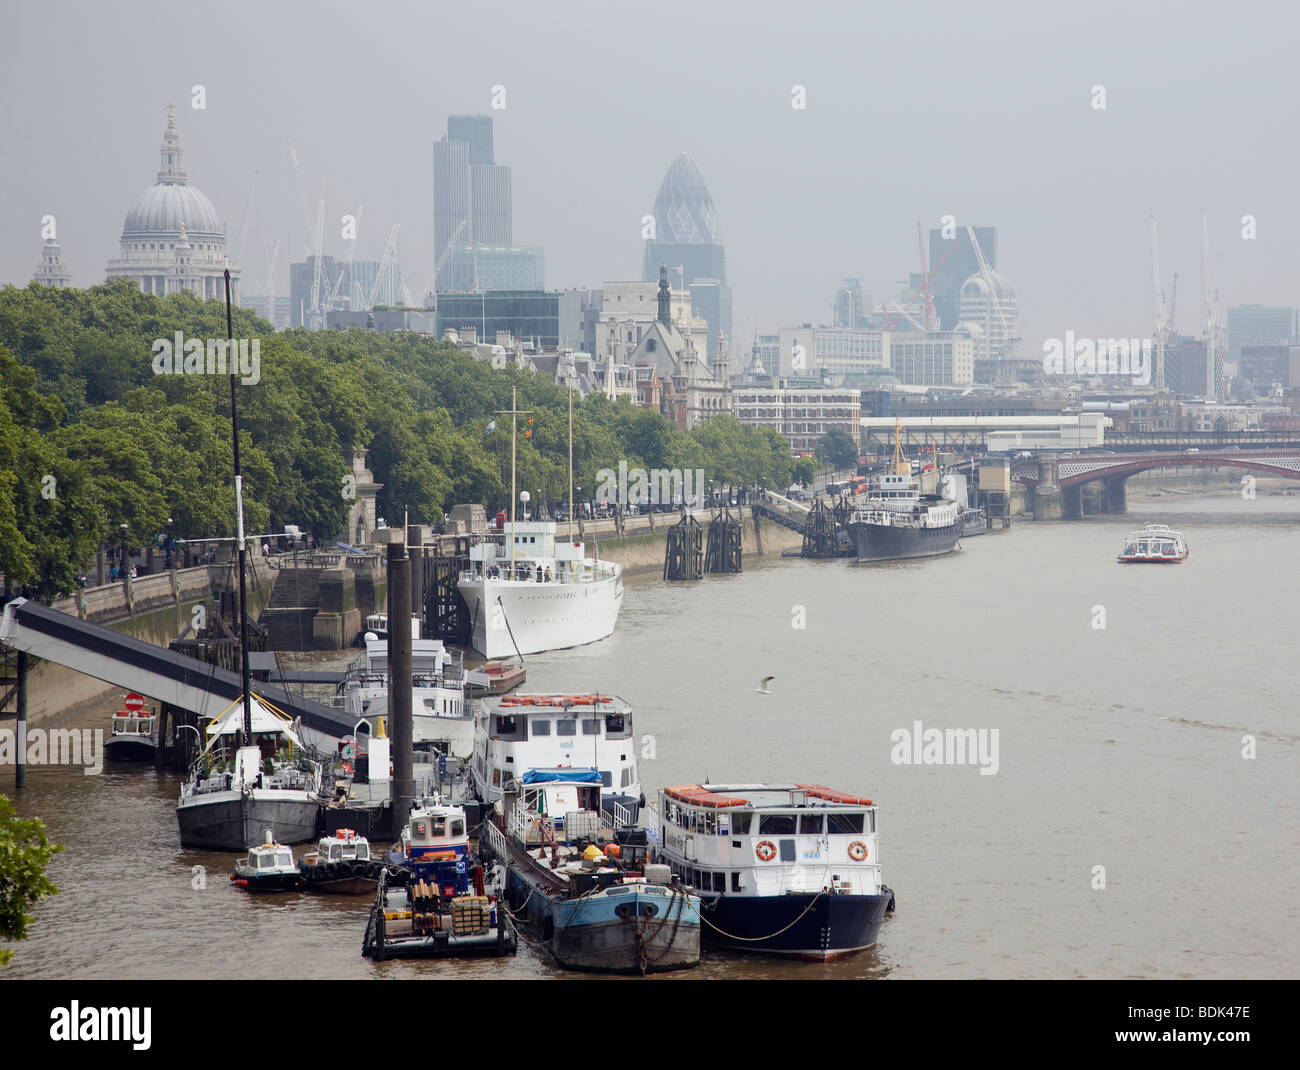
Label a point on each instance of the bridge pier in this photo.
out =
(1072, 502)
(1116, 495)
(1047, 494)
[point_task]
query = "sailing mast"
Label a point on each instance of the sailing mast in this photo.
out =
(245, 682)
(514, 427)
(570, 450)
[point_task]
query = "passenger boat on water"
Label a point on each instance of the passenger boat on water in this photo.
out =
(552, 730)
(432, 900)
(786, 869)
(340, 865)
(1155, 544)
(440, 705)
(132, 737)
(269, 867)
(586, 889)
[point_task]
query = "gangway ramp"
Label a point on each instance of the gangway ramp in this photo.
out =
(161, 674)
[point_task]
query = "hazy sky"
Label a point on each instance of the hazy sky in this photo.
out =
(913, 111)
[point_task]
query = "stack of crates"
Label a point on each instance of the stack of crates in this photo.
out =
(470, 915)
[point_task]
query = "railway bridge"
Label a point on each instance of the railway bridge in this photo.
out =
(1058, 479)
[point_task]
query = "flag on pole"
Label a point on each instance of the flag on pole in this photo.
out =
(492, 426)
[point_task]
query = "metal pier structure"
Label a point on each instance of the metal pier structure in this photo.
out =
(188, 689)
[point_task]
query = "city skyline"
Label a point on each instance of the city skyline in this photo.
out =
(1070, 187)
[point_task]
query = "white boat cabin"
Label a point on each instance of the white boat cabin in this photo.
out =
(139, 724)
(522, 732)
(343, 845)
(769, 839)
(435, 831)
(539, 556)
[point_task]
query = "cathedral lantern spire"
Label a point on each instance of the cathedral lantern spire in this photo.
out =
(665, 299)
(172, 169)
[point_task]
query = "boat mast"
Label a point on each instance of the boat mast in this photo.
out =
(570, 377)
(514, 427)
(239, 529)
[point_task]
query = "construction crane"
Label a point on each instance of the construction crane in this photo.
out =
(442, 260)
(1162, 313)
(926, 291)
(1212, 328)
(318, 271)
(389, 260)
(925, 288)
(268, 291)
(995, 298)
(243, 226)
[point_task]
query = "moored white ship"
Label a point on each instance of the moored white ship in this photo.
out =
(528, 591)
(788, 869)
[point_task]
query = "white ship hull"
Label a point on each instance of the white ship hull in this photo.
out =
(532, 617)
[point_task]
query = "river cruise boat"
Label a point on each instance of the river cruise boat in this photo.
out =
(440, 707)
(437, 903)
(234, 792)
(786, 869)
(340, 865)
(552, 730)
(269, 867)
(1155, 544)
(528, 590)
(132, 737)
(582, 886)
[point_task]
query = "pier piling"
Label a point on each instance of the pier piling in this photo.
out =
(684, 550)
(401, 727)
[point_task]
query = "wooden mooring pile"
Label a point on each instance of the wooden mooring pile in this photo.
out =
(684, 550)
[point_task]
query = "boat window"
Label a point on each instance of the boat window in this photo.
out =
(566, 726)
(458, 826)
(871, 821)
(710, 822)
(496, 778)
(607, 778)
(508, 727)
(335, 851)
(776, 824)
(265, 861)
(284, 858)
(787, 850)
(740, 822)
(614, 724)
(590, 726)
(541, 726)
(363, 851)
(735, 881)
(625, 779)
(724, 821)
(811, 824)
(439, 826)
(846, 824)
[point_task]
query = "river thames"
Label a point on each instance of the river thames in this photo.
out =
(1118, 747)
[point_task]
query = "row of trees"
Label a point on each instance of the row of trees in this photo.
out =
(91, 437)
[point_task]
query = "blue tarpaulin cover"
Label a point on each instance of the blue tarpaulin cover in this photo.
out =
(550, 776)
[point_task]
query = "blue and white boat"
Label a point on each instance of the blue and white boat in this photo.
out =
(432, 900)
(586, 889)
(786, 869)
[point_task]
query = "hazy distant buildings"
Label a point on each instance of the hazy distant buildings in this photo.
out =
(303, 283)
(941, 358)
(473, 228)
(686, 237)
(538, 317)
(851, 305)
(801, 414)
(952, 262)
(173, 239)
(279, 317)
(830, 353)
(990, 311)
(52, 271)
(1266, 366)
(1259, 325)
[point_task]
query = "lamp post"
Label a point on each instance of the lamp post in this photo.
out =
(122, 564)
(170, 561)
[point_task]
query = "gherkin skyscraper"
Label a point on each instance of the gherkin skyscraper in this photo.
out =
(686, 236)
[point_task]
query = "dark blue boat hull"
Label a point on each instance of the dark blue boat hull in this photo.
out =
(789, 925)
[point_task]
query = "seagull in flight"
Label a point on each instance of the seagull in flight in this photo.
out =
(763, 688)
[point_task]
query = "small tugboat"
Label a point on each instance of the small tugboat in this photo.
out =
(1155, 544)
(584, 888)
(132, 738)
(269, 867)
(435, 905)
(785, 869)
(340, 865)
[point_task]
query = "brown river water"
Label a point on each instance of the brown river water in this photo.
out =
(1118, 747)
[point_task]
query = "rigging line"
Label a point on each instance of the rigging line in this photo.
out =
(509, 629)
(770, 936)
